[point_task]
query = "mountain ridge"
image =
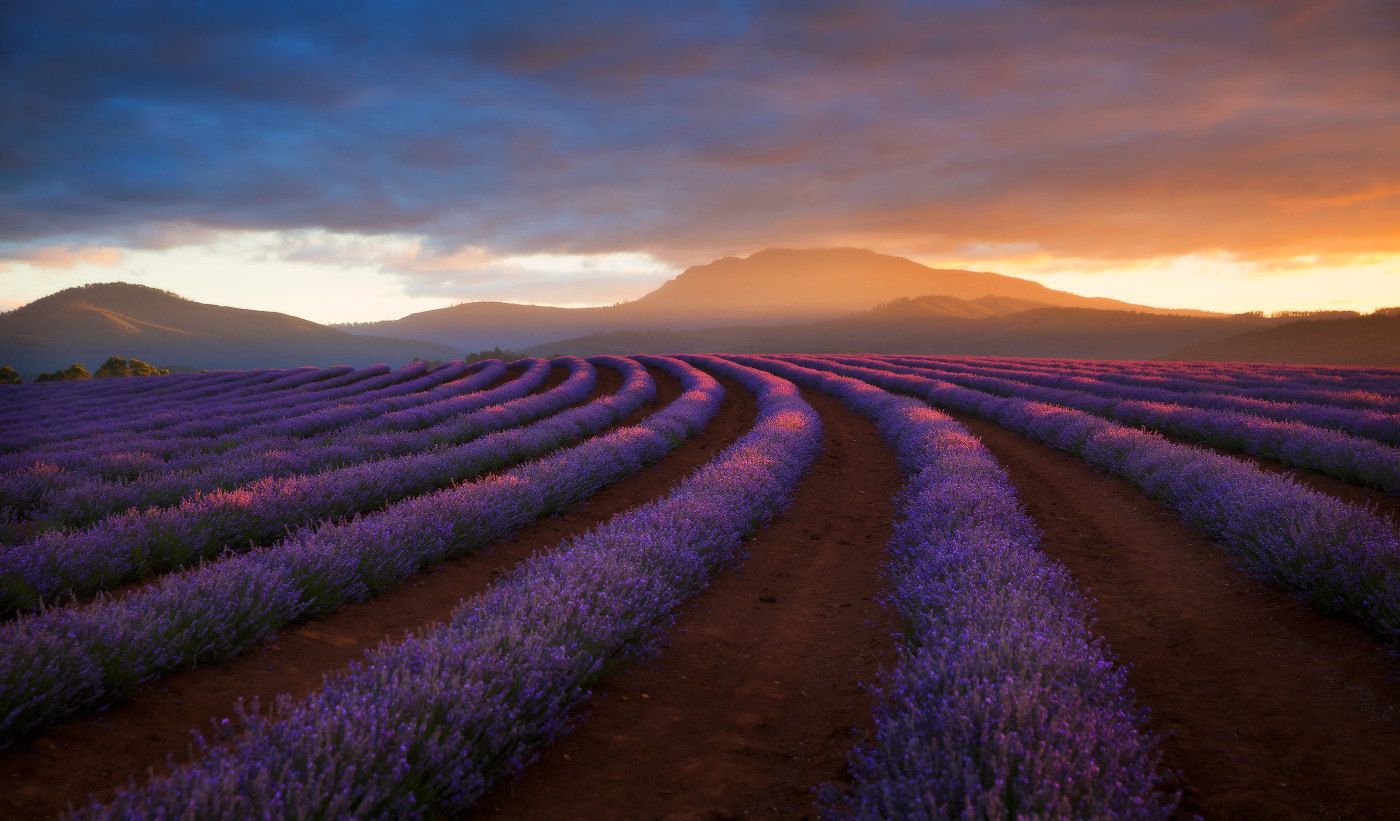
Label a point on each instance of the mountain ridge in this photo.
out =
(88, 323)
(768, 287)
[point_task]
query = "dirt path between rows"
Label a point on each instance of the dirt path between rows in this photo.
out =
(96, 754)
(755, 697)
(1271, 710)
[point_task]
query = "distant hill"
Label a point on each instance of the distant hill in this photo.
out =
(1361, 340)
(776, 286)
(942, 324)
(90, 323)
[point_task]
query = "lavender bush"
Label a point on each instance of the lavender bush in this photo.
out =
(69, 660)
(1003, 704)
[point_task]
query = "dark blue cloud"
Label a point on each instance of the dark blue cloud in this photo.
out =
(684, 129)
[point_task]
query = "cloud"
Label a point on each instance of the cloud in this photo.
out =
(1090, 130)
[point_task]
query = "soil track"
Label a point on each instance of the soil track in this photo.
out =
(1271, 710)
(96, 754)
(754, 699)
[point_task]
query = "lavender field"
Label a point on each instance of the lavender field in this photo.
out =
(943, 586)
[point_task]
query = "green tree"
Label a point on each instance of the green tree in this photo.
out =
(115, 366)
(139, 368)
(72, 373)
(9, 376)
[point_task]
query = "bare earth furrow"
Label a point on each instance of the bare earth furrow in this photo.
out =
(1270, 709)
(754, 698)
(99, 753)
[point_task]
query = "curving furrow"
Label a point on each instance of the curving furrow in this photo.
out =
(64, 500)
(131, 546)
(1343, 558)
(1296, 444)
(1003, 702)
(426, 725)
(66, 661)
(1377, 425)
(304, 388)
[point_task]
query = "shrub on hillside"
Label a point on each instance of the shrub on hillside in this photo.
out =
(115, 366)
(72, 373)
(9, 376)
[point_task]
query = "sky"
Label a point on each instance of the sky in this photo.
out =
(350, 162)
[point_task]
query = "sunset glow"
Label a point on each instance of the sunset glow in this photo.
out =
(1237, 156)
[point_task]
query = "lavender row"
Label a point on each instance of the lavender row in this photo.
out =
(1339, 396)
(163, 415)
(1339, 378)
(423, 727)
(1377, 425)
(1343, 558)
(85, 500)
(139, 544)
(18, 397)
(58, 663)
(139, 396)
(84, 395)
(298, 402)
(1002, 704)
(82, 486)
(31, 419)
(1354, 459)
(113, 429)
(158, 453)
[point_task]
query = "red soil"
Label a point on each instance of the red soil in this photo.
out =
(1270, 709)
(96, 754)
(755, 697)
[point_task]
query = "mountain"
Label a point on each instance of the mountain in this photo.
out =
(1361, 340)
(92, 322)
(775, 286)
(942, 324)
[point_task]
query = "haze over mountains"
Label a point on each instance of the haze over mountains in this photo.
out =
(832, 300)
(774, 286)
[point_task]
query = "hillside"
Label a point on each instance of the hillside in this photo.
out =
(1362, 340)
(90, 323)
(941, 324)
(775, 286)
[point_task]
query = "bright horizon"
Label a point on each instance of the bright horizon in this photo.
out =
(1228, 157)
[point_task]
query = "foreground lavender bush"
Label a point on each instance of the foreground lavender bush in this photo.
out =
(1343, 558)
(139, 544)
(1003, 703)
(65, 661)
(425, 726)
(1355, 459)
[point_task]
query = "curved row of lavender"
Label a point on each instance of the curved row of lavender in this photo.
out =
(345, 384)
(1378, 386)
(280, 412)
(79, 399)
(1003, 703)
(65, 661)
(1350, 458)
(75, 496)
(424, 727)
(1182, 376)
(1341, 557)
(156, 453)
(141, 395)
(138, 544)
(1370, 424)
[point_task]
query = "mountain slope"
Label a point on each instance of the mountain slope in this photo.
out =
(940, 325)
(90, 323)
(775, 286)
(1360, 340)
